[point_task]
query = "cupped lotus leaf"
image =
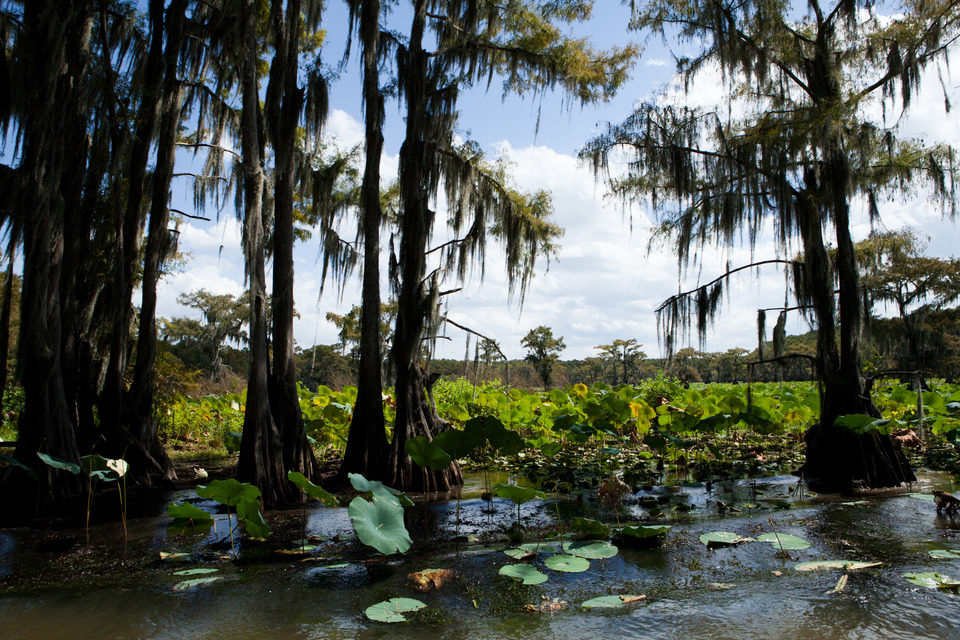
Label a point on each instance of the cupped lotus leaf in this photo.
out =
(314, 491)
(591, 549)
(379, 524)
(199, 571)
(193, 583)
(93, 463)
(491, 430)
(723, 539)
(785, 540)
(519, 554)
(550, 449)
(379, 490)
(248, 512)
(187, 512)
(567, 563)
(612, 602)
(844, 565)
(525, 573)
(459, 443)
(540, 547)
(643, 534)
(590, 527)
(427, 454)
(230, 492)
(932, 580)
(516, 493)
(392, 610)
(945, 554)
(13, 462)
(59, 463)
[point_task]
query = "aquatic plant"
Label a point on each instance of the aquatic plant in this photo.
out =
(245, 498)
(379, 521)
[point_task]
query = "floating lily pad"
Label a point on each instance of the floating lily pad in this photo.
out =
(519, 554)
(296, 551)
(933, 580)
(643, 534)
(567, 563)
(174, 556)
(945, 554)
(199, 571)
(591, 549)
(392, 610)
(611, 602)
(723, 539)
(855, 503)
(845, 565)
(193, 583)
(785, 540)
(525, 573)
(926, 497)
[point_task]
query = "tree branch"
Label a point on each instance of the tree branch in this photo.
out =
(479, 335)
(725, 276)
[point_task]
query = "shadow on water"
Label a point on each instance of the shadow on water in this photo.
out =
(52, 584)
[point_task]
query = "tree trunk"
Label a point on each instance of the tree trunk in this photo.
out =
(367, 444)
(261, 452)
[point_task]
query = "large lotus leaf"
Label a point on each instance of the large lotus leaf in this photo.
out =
(945, 554)
(59, 463)
(249, 513)
(567, 563)
(785, 540)
(591, 549)
(199, 571)
(932, 580)
(13, 462)
(187, 512)
(845, 565)
(856, 422)
(379, 490)
(459, 443)
(928, 497)
(392, 610)
(193, 583)
(230, 492)
(723, 539)
(644, 532)
(93, 463)
(590, 527)
(524, 573)
(379, 524)
(312, 490)
(611, 602)
(518, 494)
(427, 454)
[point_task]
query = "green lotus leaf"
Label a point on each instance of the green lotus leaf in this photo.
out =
(611, 602)
(567, 563)
(249, 513)
(590, 527)
(591, 549)
(195, 572)
(314, 491)
(524, 573)
(550, 449)
(427, 454)
(379, 524)
(518, 494)
(188, 513)
(379, 490)
(945, 554)
(932, 580)
(928, 497)
(392, 610)
(459, 443)
(229, 492)
(13, 462)
(723, 539)
(193, 583)
(785, 540)
(645, 532)
(844, 565)
(59, 463)
(174, 556)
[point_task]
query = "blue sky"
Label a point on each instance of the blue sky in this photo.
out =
(602, 285)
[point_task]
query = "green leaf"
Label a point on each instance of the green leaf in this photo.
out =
(787, 541)
(927, 497)
(379, 524)
(550, 449)
(392, 610)
(723, 539)
(591, 549)
(567, 563)
(856, 422)
(518, 494)
(193, 583)
(459, 443)
(945, 554)
(195, 572)
(379, 490)
(427, 454)
(314, 491)
(229, 492)
(590, 527)
(645, 532)
(932, 580)
(611, 602)
(59, 463)
(524, 573)
(188, 513)
(248, 512)
(13, 462)
(844, 565)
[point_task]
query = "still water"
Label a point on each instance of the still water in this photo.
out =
(53, 585)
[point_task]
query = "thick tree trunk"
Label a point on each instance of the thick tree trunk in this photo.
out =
(367, 444)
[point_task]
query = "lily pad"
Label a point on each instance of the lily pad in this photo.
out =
(379, 524)
(567, 563)
(926, 497)
(392, 610)
(519, 554)
(933, 580)
(785, 540)
(612, 602)
(945, 554)
(591, 549)
(723, 539)
(193, 583)
(174, 556)
(844, 565)
(525, 573)
(199, 571)
(643, 534)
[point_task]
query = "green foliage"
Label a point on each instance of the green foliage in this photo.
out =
(523, 573)
(392, 610)
(312, 490)
(379, 524)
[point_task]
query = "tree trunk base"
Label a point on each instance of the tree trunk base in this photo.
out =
(839, 460)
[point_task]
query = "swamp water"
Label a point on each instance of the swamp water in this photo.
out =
(54, 585)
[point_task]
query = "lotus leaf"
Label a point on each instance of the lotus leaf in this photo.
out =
(13, 462)
(591, 549)
(845, 565)
(195, 572)
(518, 494)
(723, 539)
(392, 610)
(379, 524)
(611, 602)
(787, 541)
(459, 443)
(193, 583)
(174, 556)
(932, 580)
(945, 554)
(519, 554)
(188, 513)
(229, 492)
(590, 527)
(59, 463)
(427, 454)
(567, 563)
(379, 490)
(312, 490)
(928, 497)
(249, 513)
(550, 449)
(524, 573)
